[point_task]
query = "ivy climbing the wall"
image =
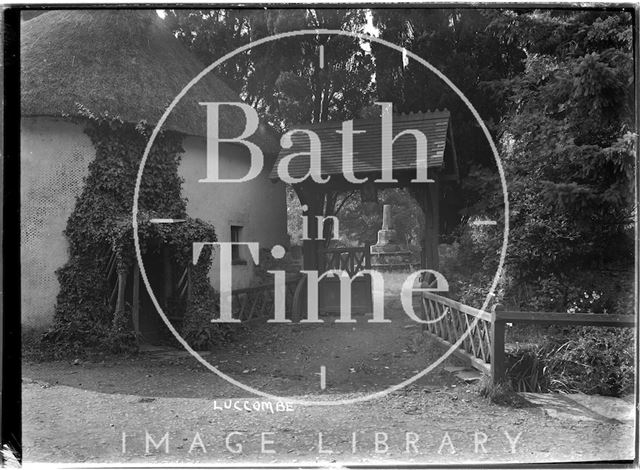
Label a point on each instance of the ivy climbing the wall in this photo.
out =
(100, 229)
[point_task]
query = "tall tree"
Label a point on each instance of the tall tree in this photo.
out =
(283, 79)
(568, 143)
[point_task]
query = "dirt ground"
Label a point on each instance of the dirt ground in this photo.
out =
(119, 410)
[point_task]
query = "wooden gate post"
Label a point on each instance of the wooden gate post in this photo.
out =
(427, 197)
(497, 346)
(314, 200)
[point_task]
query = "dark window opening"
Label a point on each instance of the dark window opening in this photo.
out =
(235, 249)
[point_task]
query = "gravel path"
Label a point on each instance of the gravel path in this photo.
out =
(119, 410)
(71, 421)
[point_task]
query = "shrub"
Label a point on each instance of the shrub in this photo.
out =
(590, 360)
(526, 371)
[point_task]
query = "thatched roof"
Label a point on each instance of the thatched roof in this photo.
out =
(124, 62)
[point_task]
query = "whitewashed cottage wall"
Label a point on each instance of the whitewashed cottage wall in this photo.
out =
(258, 206)
(54, 161)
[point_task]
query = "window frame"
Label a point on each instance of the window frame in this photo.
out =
(235, 232)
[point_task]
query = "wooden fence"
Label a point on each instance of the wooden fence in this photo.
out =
(349, 259)
(255, 303)
(448, 322)
(501, 317)
(251, 303)
(483, 347)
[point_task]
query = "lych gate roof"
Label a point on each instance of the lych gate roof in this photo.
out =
(367, 147)
(124, 62)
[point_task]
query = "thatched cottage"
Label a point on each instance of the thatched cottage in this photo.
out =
(126, 64)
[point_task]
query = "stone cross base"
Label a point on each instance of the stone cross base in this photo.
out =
(387, 254)
(394, 264)
(392, 258)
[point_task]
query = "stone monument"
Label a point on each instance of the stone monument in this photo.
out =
(388, 254)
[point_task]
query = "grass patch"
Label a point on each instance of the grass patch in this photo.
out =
(501, 394)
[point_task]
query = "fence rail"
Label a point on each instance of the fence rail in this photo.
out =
(583, 319)
(449, 321)
(501, 317)
(483, 347)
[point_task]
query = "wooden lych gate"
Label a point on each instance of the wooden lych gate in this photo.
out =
(367, 163)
